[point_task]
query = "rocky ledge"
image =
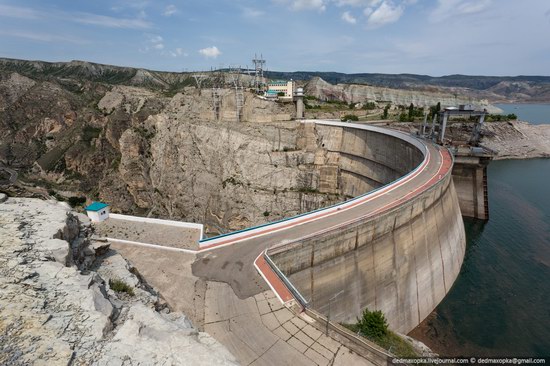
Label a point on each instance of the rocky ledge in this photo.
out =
(65, 299)
(517, 140)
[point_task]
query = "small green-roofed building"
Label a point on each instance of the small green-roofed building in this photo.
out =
(97, 211)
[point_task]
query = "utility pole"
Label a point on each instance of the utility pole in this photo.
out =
(259, 64)
(235, 75)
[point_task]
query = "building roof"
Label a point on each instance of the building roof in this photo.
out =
(96, 206)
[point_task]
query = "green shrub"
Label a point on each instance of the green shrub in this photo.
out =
(386, 109)
(349, 117)
(121, 286)
(89, 133)
(266, 213)
(77, 201)
(369, 106)
(373, 325)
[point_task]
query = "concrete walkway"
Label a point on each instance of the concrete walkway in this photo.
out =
(257, 330)
(261, 331)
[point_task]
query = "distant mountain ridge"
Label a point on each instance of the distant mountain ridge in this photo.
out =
(404, 80)
(526, 89)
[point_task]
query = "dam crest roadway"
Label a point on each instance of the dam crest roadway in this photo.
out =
(397, 246)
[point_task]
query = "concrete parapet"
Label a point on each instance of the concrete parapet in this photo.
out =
(402, 261)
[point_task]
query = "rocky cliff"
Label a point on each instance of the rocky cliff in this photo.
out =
(149, 152)
(360, 93)
(60, 303)
(148, 143)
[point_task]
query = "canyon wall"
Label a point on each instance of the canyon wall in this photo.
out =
(356, 93)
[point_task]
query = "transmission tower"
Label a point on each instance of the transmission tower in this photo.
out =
(259, 64)
(235, 76)
(199, 78)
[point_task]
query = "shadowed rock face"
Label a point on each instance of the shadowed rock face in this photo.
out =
(168, 156)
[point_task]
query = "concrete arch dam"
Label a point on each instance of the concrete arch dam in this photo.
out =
(397, 248)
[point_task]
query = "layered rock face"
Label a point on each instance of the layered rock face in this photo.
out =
(147, 153)
(360, 93)
(58, 307)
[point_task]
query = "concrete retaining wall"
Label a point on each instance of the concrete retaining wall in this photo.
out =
(189, 225)
(402, 262)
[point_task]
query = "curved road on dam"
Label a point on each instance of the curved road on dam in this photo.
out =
(226, 294)
(231, 258)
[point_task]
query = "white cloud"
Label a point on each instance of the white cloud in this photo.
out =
(252, 13)
(170, 10)
(79, 17)
(18, 12)
(210, 52)
(178, 52)
(347, 17)
(319, 5)
(155, 39)
(368, 3)
(386, 13)
(447, 8)
(42, 37)
(154, 42)
(109, 22)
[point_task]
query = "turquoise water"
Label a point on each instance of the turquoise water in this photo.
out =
(532, 113)
(500, 303)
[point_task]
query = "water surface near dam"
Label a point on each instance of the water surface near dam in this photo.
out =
(500, 303)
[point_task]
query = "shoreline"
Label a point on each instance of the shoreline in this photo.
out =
(517, 140)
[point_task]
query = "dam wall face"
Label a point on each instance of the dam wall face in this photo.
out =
(402, 261)
(353, 161)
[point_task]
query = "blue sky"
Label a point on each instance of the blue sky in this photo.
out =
(434, 37)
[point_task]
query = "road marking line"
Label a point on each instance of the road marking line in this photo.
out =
(444, 164)
(329, 212)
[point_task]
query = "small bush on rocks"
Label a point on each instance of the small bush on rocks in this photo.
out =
(121, 286)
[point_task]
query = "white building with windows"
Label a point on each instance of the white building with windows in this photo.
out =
(274, 87)
(98, 211)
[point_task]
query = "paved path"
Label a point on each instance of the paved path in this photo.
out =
(258, 330)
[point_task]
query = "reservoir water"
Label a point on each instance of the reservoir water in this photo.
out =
(500, 302)
(533, 113)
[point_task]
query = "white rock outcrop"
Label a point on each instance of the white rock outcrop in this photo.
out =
(319, 88)
(55, 313)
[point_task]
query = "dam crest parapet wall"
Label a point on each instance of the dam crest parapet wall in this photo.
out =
(401, 258)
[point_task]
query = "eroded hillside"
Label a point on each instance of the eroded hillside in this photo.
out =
(148, 152)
